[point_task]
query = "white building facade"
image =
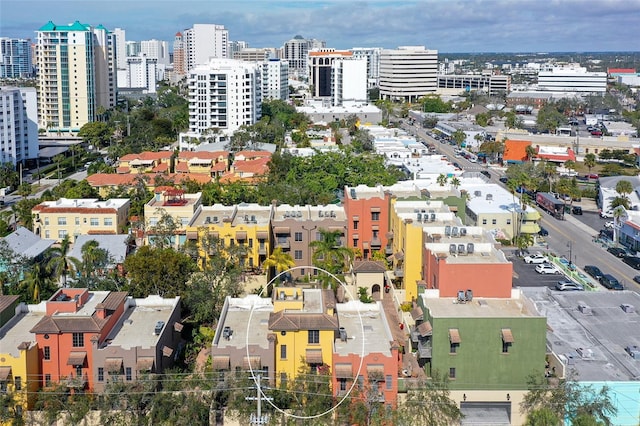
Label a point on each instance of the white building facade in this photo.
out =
(408, 73)
(121, 47)
(348, 81)
(224, 95)
(18, 124)
(203, 42)
(572, 80)
(372, 55)
(141, 73)
(15, 58)
(275, 79)
(156, 49)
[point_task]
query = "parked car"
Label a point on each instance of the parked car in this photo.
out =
(486, 173)
(568, 286)
(536, 258)
(504, 179)
(456, 165)
(609, 224)
(596, 132)
(576, 210)
(592, 176)
(543, 232)
(606, 214)
(637, 279)
(610, 282)
(632, 261)
(547, 268)
(617, 251)
(594, 271)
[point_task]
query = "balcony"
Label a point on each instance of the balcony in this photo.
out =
(388, 250)
(76, 382)
(424, 349)
(376, 243)
(398, 272)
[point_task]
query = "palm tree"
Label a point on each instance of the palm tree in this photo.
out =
(279, 260)
(329, 254)
(441, 179)
(618, 213)
(590, 161)
(455, 182)
(530, 152)
(624, 187)
(36, 280)
(60, 263)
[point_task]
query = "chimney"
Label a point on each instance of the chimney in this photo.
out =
(101, 312)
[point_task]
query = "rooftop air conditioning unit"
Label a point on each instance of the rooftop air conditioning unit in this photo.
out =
(630, 309)
(584, 308)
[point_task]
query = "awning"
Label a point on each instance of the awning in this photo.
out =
(262, 235)
(531, 214)
(356, 236)
(5, 372)
(356, 218)
(76, 358)
(221, 362)
(454, 335)
(507, 336)
(254, 361)
(389, 235)
(241, 235)
(425, 329)
(344, 371)
(365, 244)
(192, 235)
(399, 255)
(530, 228)
(336, 229)
(167, 351)
(214, 234)
(113, 364)
(375, 209)
(281, 230)
(375, 369)
(177, 326)
(145, 364)
(314, 356)
(416, 313)
(375, 228)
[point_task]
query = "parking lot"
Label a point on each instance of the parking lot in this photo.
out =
(525, 275)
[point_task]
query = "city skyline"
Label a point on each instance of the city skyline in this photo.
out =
(447, 26)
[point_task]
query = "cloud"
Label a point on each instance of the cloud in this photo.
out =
(445, 25)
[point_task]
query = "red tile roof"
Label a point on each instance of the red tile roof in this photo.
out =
(112, 179)
(515, 150)
(257, 167)
(123, 169)
(219, 167)
(621, 71)
(160, 168)
(251, 155)
(203, 155)
(148, 155)
(182, 167)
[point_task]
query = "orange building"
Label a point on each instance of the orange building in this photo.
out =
(465, 258)
(367, 211)
(248, 166)
(215, 164)
(515, 151)
(75, 319)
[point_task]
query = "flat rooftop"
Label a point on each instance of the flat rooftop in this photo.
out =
(242, 214)
(237, 318)
(592, 342)
(365, 323)
(17, 330)
(448, 307)
(89, 307)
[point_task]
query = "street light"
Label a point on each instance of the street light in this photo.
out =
(570, 245)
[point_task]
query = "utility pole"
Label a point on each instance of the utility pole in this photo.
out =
(257, 419)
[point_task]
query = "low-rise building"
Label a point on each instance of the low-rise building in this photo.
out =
(176, 204)
(146, 162)
(213, 163)
(107, 182)
(367, 214)
(86, 216)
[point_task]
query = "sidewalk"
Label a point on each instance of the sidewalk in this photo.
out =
(585, 228)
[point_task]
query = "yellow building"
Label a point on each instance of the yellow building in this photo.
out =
(73, 217)
(145, 162)
(175, 203)
(305, 323)
(407, 220)
(19, 359)
(244, 224)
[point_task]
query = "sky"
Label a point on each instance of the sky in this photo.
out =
(464, 26)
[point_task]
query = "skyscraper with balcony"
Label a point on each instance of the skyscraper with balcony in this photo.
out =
(15, 58)
(18, 124)
(203, 42)
(224, 95)
(76, 74)
(275, 79)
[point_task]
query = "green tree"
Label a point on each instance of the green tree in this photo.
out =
(442, 179)
(542, 417)
(512, 120)
(530, 152)
(60, 263)
(96, 133)
(94, 260)
(9, 177)
(161, 271)
(36, 284)
(590, 161)
(429, 404)
(459, 136)
(163, 233)
(330, 255)
(624, 187)
(280, 261)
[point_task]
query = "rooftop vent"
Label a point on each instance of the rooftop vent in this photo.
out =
(634, 351)
(477, 193)
(159, 327)
(343, 334)
(227, 332)
(584, 308)
(585, 352)
(453, 249)
(489, 197)
(630, 309)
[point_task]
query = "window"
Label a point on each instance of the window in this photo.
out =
(108, 221)
(94, 221)
(62, 221)
(484, 221)
(78, 340)
(494, 221)
(47, 379)
(505, 347)
(355, 224)
(250, 242)
(360, 381)
(454, 348)
(78, 371)
(298, 236)
(314, 337)
(508, 221)
(46, 221)
(283, 352)
(375, 216)
(47, 353)
(127, 373)
(297, 255)
(46, 234)
(18, 383)
(77, 221)
(355, 242)
(100, 374)
(343, 384)
(452, 373)
(389, 381)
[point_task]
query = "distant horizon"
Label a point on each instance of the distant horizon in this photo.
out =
(448, 26)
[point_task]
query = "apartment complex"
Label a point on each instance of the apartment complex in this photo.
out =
(408, 73)
(296, 50)
(367, 217)
(348, 81)
(320, 62)
(177, 205)
(224, 94)
(156, 49)
(18, 125)
(76, 74)
(179, 59)
(203, 42)
(72, 217)
(275, 79)
(15, 58)
(372, 55)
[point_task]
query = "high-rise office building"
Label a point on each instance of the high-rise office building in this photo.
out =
(156, 49)
(296, 52)
(275, 79)
(203, 42)
(18, 124)
(15, 58)
(224, 95)
(179, 65)
(76, 74)
(408, 72)
(320, 62)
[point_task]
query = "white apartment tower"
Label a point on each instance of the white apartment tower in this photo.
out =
(18, 124)
(372, 55)
(142, 73)
(76, 74)
(203, 42)
(224, 94)
(15, 58)
(275, 79)
(408, 73)
(320, 62)
(121, 48)
(348, 81)
(156, 49)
